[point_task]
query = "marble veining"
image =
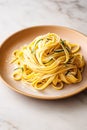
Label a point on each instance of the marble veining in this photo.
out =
(71, 10)
(6, 125)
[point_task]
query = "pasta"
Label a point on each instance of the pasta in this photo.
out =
(48, 60)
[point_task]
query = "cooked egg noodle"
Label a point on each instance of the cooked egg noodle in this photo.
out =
(48, 60)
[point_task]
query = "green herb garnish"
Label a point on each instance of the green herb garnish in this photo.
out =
(62, 42)
(32, 51)
(59, 50)
(19, 68)
(48, 39)
(67, 72)
(38, 42)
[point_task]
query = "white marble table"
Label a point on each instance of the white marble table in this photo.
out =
(18, 112)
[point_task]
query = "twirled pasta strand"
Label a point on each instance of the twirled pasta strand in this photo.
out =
(48, 60)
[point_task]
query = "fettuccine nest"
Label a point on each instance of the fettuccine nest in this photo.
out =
(48, 60)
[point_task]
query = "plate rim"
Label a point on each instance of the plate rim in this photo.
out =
(38, 96)
(45, 97)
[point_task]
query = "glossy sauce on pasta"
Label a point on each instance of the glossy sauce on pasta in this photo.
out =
(48, 60)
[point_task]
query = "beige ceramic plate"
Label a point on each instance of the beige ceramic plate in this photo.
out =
(24, 37)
